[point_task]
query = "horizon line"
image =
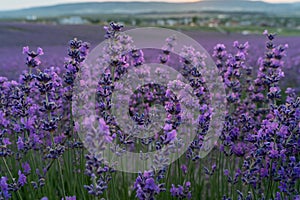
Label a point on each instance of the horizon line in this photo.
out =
(129, 1)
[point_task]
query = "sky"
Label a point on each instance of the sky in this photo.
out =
(17, 4)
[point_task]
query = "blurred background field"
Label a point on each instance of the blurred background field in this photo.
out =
(53, 38)
(51, 25)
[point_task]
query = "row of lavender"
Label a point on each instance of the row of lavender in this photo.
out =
(16, 35)
(256, 158)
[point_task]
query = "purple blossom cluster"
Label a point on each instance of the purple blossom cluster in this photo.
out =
(181, 192)
(33, 111)
(261, 128)
(146, 186)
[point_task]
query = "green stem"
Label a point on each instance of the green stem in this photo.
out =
(269, 180)
(11, 176)
(124, 186)
(62, 179)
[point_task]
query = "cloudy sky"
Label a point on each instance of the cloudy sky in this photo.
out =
(16, 4)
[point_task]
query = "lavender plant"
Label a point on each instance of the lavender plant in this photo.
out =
(257, 156)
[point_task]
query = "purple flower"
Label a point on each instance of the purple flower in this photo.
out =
(137, 57)
(297, 197)
(104, 128)
(22, 178)
(173, 190)
(171, 136)
(32, 59)
(26, 168)
(3, 121)
(20, 143)
(3, 183)
(146, 187)
(282, 186)
(168, 127)
(151, 185)
(40, 51)
(273, 153)
(148, 174)
(277, 197)
(239, 149)
(226, 172)
(181, 192)
(283, 131)
(274, 89)
(99, 174)
(264, 172)
(112, 29)
(69, 198)
(26, 50)
(184, 168)
(188, 184)
(6, 141)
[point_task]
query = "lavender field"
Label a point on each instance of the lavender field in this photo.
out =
(53, 39)
(45, 147)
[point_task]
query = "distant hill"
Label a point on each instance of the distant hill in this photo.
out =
(93, 8)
